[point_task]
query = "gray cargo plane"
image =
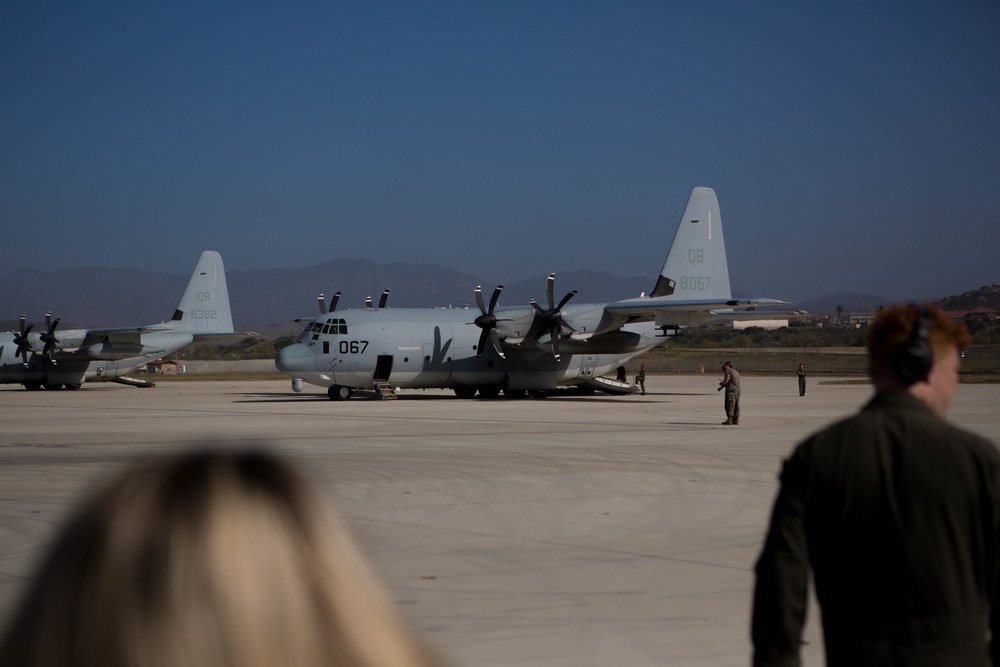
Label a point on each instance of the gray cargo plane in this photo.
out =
(56, 358)
(523, 349)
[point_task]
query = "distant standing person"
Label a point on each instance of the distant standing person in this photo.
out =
(802, 380)
(731, 383)
(640, 378)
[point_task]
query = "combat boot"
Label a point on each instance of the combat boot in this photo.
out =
(736, 420)
(728, 422)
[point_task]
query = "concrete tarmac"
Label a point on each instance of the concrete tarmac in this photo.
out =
(566, 531)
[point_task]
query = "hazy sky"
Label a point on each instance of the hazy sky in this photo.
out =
(853, 145)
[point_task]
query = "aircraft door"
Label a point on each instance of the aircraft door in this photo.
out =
(383, 367)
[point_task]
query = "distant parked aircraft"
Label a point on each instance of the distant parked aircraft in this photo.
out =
(56, 358)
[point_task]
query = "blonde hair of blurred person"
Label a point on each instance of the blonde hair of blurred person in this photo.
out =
(209, 558)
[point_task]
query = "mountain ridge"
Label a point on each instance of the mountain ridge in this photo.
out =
(104, 296)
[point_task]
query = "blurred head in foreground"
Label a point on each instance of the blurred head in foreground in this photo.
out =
(916, 349)
(208, 558)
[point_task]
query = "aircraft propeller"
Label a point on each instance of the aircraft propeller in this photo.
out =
(550, 320)
(321, 299)
(49, 337)
(488, 321)
(21, 340)
(384, 298)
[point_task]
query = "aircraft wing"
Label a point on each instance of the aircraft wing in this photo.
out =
(673, 312)
(115, 334)
(134, 334)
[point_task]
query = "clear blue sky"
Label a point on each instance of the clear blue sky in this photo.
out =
(853, 145)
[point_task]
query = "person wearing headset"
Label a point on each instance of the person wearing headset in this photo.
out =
(896, 515)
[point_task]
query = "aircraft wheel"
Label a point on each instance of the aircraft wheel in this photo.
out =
(338, 393)
(52, 387)
(465, 392)
(489, 391)
(515, 393)
(538, 393)
(73, 386)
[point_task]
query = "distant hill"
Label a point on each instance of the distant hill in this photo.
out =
(853, 302)
(987, 295)
(121, 297)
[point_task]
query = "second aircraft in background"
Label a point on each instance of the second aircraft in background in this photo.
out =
(57, 358)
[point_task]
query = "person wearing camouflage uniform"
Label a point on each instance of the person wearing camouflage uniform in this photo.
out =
(731, 383)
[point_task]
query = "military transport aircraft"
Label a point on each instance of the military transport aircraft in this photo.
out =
(523, 349)
(58, 358)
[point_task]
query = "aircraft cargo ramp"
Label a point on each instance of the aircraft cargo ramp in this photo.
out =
(609, 386)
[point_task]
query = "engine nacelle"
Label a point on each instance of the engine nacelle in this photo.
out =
(109, 351)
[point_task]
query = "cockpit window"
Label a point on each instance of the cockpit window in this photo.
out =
(331, 327)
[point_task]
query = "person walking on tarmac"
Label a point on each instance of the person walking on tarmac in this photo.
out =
(802, 379)
(731, 383)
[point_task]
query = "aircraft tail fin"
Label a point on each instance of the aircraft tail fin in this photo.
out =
(204, 308)
(696, 268)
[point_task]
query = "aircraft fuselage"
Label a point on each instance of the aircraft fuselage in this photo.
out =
(105, 361)
(426, 348)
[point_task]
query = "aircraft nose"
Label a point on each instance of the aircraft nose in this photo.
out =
(296, 358)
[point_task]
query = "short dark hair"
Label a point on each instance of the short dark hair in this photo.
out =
(894, 328)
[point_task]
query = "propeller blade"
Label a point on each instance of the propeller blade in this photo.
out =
(333, 301)
(495, 339)
(321, 300)
(550, 284)
(565, 299)
(495, 297)
(483, 337)
(554, 336)
(368, 302)
(385, 297)
(562, 323)
(479, 299)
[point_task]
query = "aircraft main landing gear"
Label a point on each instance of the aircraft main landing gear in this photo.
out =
(338, 393)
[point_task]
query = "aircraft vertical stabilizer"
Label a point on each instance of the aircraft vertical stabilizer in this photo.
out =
(204, 308)
(696, 267)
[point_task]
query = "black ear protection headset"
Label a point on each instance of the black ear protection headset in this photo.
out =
(912, 362)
